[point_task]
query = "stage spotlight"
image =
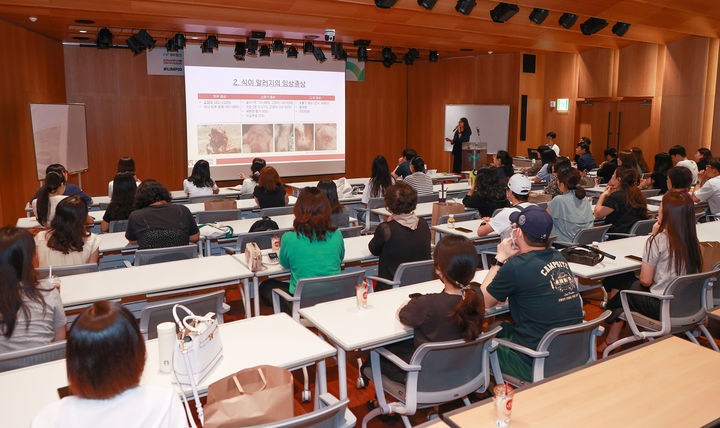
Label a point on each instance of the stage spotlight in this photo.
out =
(134, 44)
(538, 15)
(427, 4)
(385, 4)
(264, 50)
(258, 35)
(308, 47)
(319, 55)
(592, 26)
(240, 51)
(362, 54)
(411, 55)
(278, 46)
(389, 57)
(171, 46)
(465, 6)
(503, 12)
(212, 42)
(145, 39)
(292, 52)
(433, 56)
(205, 48)
(179, 40)
(104, 38)
(567, 20)
(252, 45)
(620, 28)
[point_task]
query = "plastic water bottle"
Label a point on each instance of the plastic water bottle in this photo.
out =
(451, 221)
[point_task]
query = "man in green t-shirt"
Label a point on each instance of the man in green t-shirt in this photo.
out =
(538, 284)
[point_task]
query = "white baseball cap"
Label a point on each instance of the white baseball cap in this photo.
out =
(519, 184)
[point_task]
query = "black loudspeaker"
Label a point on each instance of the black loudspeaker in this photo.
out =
(523, 116)
(528, 63)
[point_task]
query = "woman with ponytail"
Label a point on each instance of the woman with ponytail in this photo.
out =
(622, 204)
(570, 210)
(31, 314)
(50, 195)
(457, 312)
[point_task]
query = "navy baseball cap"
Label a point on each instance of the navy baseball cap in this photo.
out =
(534, 222)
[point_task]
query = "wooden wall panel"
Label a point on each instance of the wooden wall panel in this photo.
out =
(715, 141)
(376, 117)
(637, 70)
(486, 79)
(32, 72)
(683, 93)
(597, 68)
(532, 85)
(561, 81)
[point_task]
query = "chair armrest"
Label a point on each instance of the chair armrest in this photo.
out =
(397, 360)
(527, 351)
(648, 294)
(127, 263)
(383, 280)
(620, 235)
(231, 250)
(327, 399)
(665, 300)
(277, 294)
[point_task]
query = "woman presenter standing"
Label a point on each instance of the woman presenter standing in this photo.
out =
(462, 135)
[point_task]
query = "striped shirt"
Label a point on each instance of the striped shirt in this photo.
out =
(421, 182)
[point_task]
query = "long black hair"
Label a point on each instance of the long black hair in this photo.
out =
(17, 277)
(257, 165)
(466, 127)
(678, 222)
(571, 179)
(200, 176)
(330, 189)
(123, 196)
(380, 178)
(506, 162)
(53, 181)
(68, 231)
(455, 257)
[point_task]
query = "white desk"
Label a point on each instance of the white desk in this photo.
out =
(350, 328)
(153, 280)
(472, 225)
(246, 343)
(356, 250)
(298, 186)
(241, 204)
(31, 222)
(452, 187)
(423, 210)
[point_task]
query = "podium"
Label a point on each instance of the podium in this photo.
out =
(474, 155)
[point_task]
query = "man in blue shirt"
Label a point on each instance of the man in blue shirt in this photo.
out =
(585, 160)
(70, 189)
(403, 168)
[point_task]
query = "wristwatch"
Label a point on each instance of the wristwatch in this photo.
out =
(498, 263)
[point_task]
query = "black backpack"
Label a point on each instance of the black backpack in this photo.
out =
(265, 223)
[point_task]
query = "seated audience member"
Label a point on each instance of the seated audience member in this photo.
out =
(249, 183)
(50, 196)
(314, 248)
(640, 160)
(627, 160)
(702, 158)
(380, 179)
(487, 194)
(340, 216)
(671, 251)
(122, 201)
(403, 237)
(538, 285)
(623, 204)
(270, 191)
(156, 223)
(583, 140)
(200, 183)
(708, 190)
(658, 178)
(679, 179)
(31, 313)
(68, 242)
(517, 193)
(403, 167)
(561, 165)
(105, 361)
(70, 189)
(503, 164)
(454, 313)
(550, 142)
(607, 168)
(585, 160)
(571, 211)
(419, 180)
(548, 160)
(533, 170)
(125, 165)
(679, 158)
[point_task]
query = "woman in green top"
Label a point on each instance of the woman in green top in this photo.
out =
(316, 248)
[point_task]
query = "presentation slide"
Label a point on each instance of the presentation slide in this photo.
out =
(294, 119)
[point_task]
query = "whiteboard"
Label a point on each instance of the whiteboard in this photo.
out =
(493, 121)
(59, 136)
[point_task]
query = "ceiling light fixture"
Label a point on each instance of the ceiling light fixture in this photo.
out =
(205, 48)
(620, 28)
(264, 50)
(388, 57)
(504, 11)
(171, 46)
(427, 4)
(278, 46)
(319, 55)
(308, 47)
(292, 52)
(538, 15)
(567, 20)
(411, 55)
(252, 46)
(212, 42)
(592, 26)
(239, 51)
(179, 39)
(104, 38)
(465, 6)
(433, 56)
(385, 4)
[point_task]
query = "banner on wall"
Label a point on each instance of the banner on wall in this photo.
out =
(164, 63)
(354, 70)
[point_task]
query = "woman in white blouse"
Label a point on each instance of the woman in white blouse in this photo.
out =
(200, 183)
(68, 242)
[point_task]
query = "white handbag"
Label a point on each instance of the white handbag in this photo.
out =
(200, 348)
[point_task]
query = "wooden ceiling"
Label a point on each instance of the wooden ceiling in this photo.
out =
(403, 26)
